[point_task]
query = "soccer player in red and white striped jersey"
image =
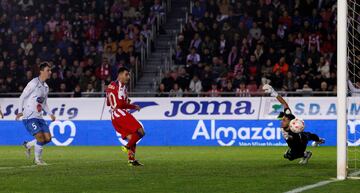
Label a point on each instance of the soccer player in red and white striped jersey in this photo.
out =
(123, 122)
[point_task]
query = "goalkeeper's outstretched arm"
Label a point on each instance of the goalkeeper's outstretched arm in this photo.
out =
(283, 102)
(269, 89)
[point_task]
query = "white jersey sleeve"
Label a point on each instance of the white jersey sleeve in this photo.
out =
(26, 93)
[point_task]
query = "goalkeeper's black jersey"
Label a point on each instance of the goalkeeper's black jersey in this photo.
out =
(296, 140)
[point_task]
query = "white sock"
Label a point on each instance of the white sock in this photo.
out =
(30, 144)
(38, 152)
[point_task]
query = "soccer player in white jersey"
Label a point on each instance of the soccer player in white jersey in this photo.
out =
(33, 101)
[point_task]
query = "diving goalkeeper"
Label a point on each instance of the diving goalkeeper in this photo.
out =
(297, 142)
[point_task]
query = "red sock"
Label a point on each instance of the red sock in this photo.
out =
(134, 138)
(131, 155)
(133, 148)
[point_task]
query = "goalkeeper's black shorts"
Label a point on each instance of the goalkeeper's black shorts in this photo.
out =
(292, 154)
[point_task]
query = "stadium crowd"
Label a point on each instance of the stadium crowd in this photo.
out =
(225, 46)
(237, 46)
(85, 41)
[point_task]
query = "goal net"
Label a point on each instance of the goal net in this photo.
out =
(353, 94)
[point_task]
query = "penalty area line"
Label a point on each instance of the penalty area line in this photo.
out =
(312, 186)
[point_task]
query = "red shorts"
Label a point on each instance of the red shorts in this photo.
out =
(124, 123)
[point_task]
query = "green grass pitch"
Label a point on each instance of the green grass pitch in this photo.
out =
(168, 169)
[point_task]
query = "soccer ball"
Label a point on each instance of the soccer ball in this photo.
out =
(297, 125)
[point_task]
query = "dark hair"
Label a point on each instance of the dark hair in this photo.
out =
(123, 69)
(287, 113)
(43, 65)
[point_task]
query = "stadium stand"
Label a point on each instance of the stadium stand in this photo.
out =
(223, 48)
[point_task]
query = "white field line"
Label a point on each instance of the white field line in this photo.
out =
(308, 187)
(354, 175)
(6, 168)
(21, 167)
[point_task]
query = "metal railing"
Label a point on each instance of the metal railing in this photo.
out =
(167, 60)
(146, 50)
(184, 94)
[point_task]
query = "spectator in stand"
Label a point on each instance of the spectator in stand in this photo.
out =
(161, 91)
(242, 91)
(214, 91)
(195, 85)
(77, 92)
(193, 57)
(198, 11)
(228, 90)
(282, 66)
(176, 91)
(233, 57)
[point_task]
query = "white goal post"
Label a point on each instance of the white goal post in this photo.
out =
(341, 89)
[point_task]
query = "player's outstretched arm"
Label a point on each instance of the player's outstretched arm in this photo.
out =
(269, 89)
(125, 104)
(282, 101)
(132, 106)
(137, 107)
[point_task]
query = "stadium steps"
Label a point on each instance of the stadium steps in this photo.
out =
(151, 71)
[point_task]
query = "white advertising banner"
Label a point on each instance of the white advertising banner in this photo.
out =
(312, 108)
(195, 108)
(152, 108)
(63, 108)
(265, 108)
